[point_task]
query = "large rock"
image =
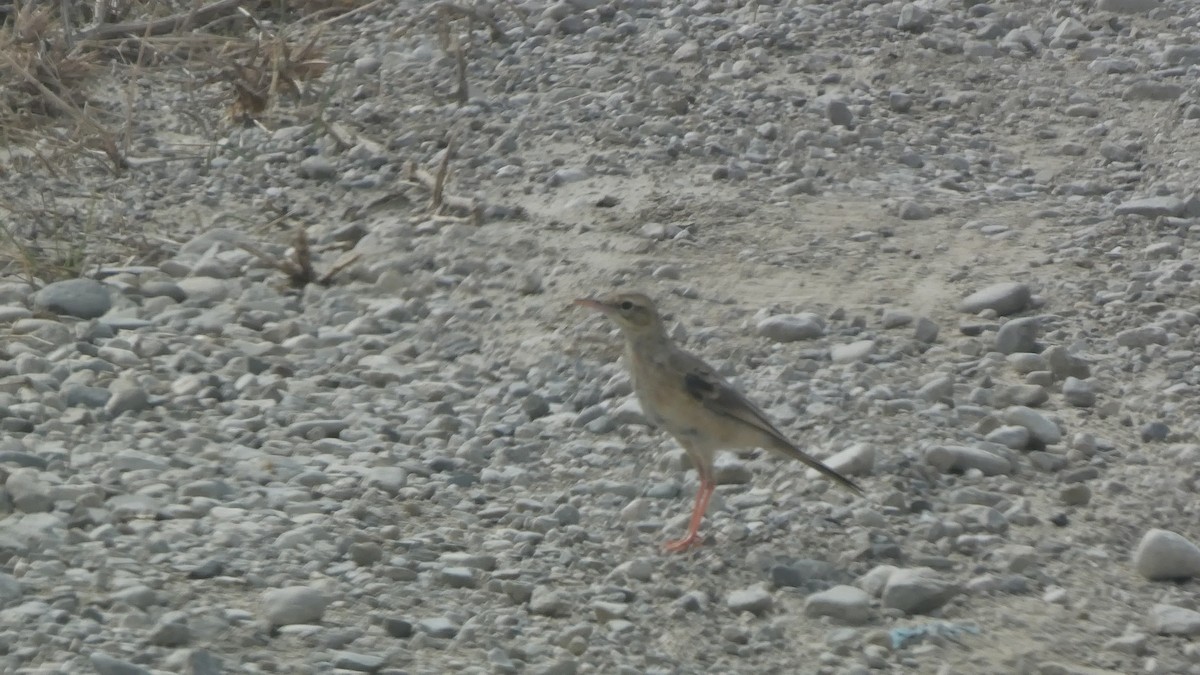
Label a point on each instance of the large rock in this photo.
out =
(293, 605)
(1172, 620)
(80, 298)
(917, 590)
(1004, 299)
(1163, 555)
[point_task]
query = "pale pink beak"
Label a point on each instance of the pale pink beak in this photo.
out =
(592, 304)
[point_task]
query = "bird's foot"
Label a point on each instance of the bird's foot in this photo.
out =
(692, 539)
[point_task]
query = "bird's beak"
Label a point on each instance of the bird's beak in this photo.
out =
(592, 304)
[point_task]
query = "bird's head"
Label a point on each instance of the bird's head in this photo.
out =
(634, 313)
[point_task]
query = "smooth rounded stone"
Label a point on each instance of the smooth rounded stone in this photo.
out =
(854, 460)
(1025, 363)
(1129, 643)
(459, 577)
(1152, 207)
(756, 600)
(317, 167)
(208, 290)
(729, 470)
(126, 397)
(1142, 336)
(851, 353)
(960, 459)
(839, 113)
(1078, 494)
(1010, 436)
(917, 590)
(803, 573)
(1003, 298)
(896, 318)
(171, 630)
(910, 210)
(9, 314)
(939, 389)
(110, 665)
(438, 627)
(1163, 555)
(28, 492)
(1018, 335)
(547, 601)
(292, 605)
(1171, 620)
(847, 604)
(1079, 393)
(1042, 429)
(390, 479)
(791, 327)
(1154, 432)
(80, 298)
(926, 331)
(359, 663)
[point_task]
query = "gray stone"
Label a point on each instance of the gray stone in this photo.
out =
(756, 600)
(926, 331)
(917, 590)
(839, 113)
(729, 470)
(28, 492)
(844, 603)
(293, 605)
(126, 397)
(1040, 427)
(1018, 335)
(1152, 207)
(1010, 436)
(359, 663)
(109, 665)
(1078, 494)
(171, 630)
(853, 352)
(547, 601)
(1163, 555)
(1172, 620)
(1079, 393)
(856, 460)
(792, 327)
(958, 458)
(1128, 6)
(1004, 299)
(438, 627)
(84, 396)
(910, 210)
(80, 298)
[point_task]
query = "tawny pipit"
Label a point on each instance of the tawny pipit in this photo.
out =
(683, 395)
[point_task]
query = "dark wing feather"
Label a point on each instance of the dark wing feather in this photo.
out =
(722, 398)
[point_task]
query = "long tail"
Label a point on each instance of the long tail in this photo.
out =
(792, 451)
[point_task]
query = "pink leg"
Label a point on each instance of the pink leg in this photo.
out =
(692, 538)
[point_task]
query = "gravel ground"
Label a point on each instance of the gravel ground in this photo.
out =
(948, 241)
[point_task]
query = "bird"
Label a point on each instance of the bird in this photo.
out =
(683, 395)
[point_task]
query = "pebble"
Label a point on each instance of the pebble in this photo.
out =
(1163, 555)
(1041, 428)
(1151, 207)
(1018, 335)
(917, 590)
(960, 459)
(846, 604)
(293, 605)
(756, 600)
(792, 327)
(80, 298)
(1079, 393)
(1003, 299)
(853, 352)
(1172, 620)
(857, 459)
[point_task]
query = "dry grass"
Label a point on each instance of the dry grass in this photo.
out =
(59, 136)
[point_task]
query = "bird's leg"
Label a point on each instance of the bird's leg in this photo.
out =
(692, 538)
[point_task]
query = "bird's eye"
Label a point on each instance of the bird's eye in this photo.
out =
(626, 306)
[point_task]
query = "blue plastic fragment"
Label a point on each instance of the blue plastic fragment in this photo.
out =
(903, 637)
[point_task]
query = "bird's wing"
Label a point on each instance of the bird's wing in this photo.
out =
(721, 398)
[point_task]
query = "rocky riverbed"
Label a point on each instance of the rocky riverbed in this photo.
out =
(945, 243)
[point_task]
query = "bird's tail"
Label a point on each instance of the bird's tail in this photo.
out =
(787, 448)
